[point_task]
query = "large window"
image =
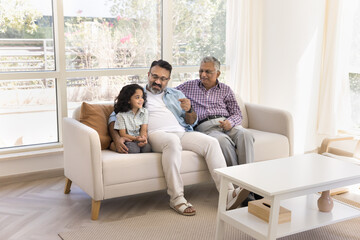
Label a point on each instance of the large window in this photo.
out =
(28, 106)
(52, 60)
(354, 75)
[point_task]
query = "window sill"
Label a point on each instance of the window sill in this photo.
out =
(351, 132)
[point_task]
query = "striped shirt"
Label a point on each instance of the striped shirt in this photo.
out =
(219, 100)
(131, 122)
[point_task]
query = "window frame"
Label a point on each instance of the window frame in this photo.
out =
(60, 74)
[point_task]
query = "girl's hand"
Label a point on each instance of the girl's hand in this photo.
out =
(141, 138)
(143, 143)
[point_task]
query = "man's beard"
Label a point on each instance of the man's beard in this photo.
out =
(155, 91)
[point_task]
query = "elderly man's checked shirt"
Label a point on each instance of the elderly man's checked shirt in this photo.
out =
(219, 100)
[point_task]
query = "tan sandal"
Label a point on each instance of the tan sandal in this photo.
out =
(235, 202)
(181, 209)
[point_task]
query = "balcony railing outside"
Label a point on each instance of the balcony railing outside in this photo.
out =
(26, 55)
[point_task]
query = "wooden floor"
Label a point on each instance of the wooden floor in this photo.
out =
(40, 210)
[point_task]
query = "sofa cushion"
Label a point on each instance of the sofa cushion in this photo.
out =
(269, 145)
(96, 116)
(124, 168)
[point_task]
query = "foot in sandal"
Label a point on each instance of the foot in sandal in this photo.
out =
(236, 197)
(185, 209)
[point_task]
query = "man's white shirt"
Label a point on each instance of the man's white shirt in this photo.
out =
(160, 117)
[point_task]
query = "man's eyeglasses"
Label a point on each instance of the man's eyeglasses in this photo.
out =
(156, 77)
(207, 72)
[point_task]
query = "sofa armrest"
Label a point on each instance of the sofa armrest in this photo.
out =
(82, 157)
(272, 120)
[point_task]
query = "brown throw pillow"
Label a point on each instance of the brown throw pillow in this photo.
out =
(96, 116)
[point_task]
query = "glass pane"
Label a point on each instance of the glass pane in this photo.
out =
(355, 99)
(355, 46)
(112, 33)
(28, 112)
(26, 35)
(98, 89)
(178, 78)
(199, 30)
(354, 76)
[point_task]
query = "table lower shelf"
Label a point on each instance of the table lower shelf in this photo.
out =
(304, 216)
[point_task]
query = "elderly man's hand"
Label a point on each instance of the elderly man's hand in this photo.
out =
(185, 104)
(226, 125)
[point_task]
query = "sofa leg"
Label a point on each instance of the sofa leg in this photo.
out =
(67, 186)
(95, 208)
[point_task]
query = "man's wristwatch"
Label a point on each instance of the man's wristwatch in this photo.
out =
(190, 110)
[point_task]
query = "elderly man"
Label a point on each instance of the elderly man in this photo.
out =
(171, 121)
(218, 113)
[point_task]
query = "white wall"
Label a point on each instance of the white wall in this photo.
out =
(40, 161)
(291, 54)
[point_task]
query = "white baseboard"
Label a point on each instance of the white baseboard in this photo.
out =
(25, 177)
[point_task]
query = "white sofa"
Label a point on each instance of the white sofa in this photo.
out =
(104, 174)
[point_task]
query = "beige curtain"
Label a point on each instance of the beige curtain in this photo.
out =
(243, 47)
(334, 100)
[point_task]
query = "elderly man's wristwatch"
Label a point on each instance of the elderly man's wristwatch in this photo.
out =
(190, 110)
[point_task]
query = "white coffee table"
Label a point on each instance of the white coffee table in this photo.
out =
(292, 183)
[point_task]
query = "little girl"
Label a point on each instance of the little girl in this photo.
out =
(132, 118)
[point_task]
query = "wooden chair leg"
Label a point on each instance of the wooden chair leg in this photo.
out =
(95, 208)
(67, 186)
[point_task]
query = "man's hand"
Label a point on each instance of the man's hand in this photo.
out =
(120, 144)
(185, 104)
(226, 125)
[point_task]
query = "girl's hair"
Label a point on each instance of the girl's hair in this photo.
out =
(121, 103)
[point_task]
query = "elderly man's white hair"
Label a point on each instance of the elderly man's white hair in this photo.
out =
(213, 60)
